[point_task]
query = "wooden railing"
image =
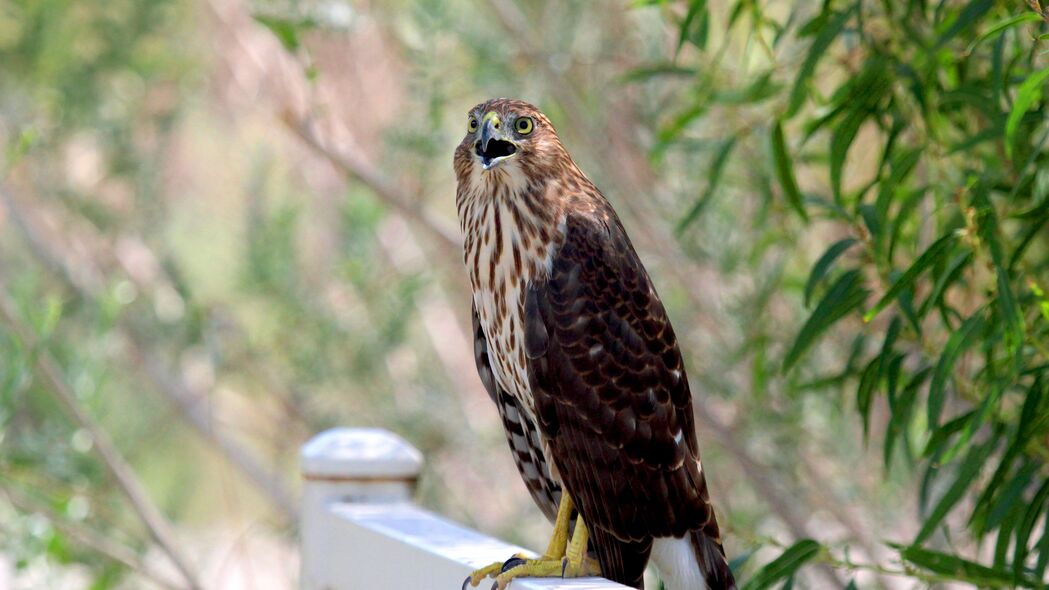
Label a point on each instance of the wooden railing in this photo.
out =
(360, 529)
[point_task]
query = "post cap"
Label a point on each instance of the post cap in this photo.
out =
(359, 454)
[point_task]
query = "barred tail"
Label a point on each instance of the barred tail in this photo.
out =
(712, 562)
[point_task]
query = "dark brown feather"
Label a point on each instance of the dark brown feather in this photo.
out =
(611, 394)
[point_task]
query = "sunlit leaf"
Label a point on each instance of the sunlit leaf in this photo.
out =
(1000, 26)
(1030, 92)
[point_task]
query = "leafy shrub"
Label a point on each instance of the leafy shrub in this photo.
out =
(909, 136)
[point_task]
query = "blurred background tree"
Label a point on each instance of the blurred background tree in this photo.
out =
(226, 225)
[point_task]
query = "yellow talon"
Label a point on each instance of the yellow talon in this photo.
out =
(533, 568)
(492, 570)
(574, 563)
(563, 558)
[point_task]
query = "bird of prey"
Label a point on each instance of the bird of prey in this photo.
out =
(574, 346)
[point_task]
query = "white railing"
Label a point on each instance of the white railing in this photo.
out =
(360, 529)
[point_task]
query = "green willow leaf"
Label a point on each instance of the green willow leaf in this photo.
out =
(966, 478)
(785, 565)
(939, 249)
(818, 50)
(902, 411)
(840, 141)
(896, 408)
(1023, 532)
(819, 270)
(694, 27)
(907, 205)
(902, 165)
(714, 178)
(762, 88)
(1010, 497)
(869, 380)
(286, 30)
(963, 570)
(785, 170)
(966, 19)
(645, 73)
(1000, 26)
(949, 276)
(1029, 93)
(959, 341)
(845, 295)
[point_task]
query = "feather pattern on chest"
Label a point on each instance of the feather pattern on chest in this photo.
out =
(511, 234)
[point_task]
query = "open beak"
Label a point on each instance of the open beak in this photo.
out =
(494, 145)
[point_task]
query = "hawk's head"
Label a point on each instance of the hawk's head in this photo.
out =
(508, 141)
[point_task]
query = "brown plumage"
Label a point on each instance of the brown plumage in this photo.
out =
(574, 346)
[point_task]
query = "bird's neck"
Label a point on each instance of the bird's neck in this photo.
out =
(510, 229)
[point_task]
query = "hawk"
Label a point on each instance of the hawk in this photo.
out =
(574, 347)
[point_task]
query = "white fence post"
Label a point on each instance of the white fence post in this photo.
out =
(348, 465)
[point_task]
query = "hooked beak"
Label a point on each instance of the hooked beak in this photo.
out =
(494, 145)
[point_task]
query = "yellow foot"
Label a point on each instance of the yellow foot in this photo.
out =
(494, 569)
(569, 562)
(547, 568)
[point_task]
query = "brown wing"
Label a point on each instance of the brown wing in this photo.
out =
(521, 433)
(612, 396)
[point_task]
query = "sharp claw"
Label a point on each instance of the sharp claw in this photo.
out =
(495, 585)
(564, 566)
(511, 563)
(468, 580)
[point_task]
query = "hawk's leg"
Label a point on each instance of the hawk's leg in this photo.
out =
(555, 550)
(574, 564)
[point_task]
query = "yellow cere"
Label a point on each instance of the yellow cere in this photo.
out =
(491, 115)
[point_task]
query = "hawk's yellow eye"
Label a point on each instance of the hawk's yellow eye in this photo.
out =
(524, 125)
(472, 125)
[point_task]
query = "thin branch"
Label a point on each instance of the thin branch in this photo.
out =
(189, 404)
(349, 163)
(47, 370)
(171, 386)
(88, 538)
(357, 169)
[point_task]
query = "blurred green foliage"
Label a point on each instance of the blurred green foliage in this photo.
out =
(845, 205)
(918, 130)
